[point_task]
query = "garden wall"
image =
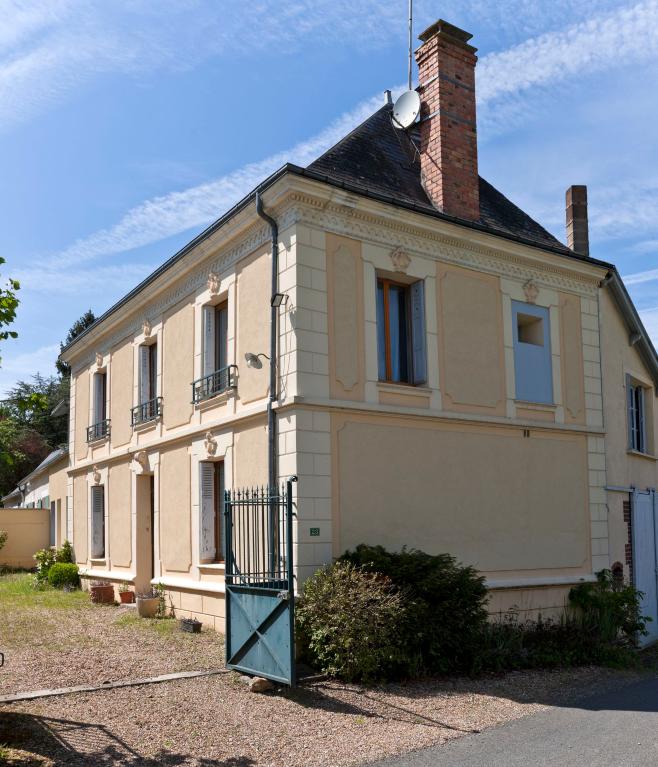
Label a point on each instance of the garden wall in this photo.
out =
(28, 530)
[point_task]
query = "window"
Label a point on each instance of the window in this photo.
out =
(637, 439)
(98, 522)
(149, 407)
(211, 479)
(100, 425)
(217, 375)
(532, 353)
(401, 332)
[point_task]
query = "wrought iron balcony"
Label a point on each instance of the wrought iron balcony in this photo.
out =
(146, 411)
(98, 431)
(216, 383)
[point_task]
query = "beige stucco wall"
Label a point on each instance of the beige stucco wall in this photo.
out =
(57, 480)
(624, 469)
(175, 506)
(488, 496)
(81, 414)
(120, 515)
(345, 317)
(472, 362)
(250, 451)
(253, 325)
(121, 393)
(178, 365)
(28, 530)
(571, 350)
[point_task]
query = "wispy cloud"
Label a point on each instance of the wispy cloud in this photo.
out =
(23, 366)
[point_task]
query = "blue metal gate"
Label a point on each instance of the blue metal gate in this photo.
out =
(260, 597)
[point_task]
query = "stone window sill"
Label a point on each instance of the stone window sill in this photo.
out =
(646, 456)
(403, 388)
(212, 566)
(541, 406)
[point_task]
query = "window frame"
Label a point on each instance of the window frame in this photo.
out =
(97, 490)
(218, 486)
(530, 356)
(415, 342)
(636, 415)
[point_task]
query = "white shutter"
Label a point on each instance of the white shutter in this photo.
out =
(144, 387)
(207, 508)
(97, 522)
(209, 340)
(99, 397)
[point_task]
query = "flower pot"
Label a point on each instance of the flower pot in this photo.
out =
(147, 607)
(191, 625)
(102, 594)
(127, 597)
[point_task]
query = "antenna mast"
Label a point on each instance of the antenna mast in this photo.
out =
(411, 2)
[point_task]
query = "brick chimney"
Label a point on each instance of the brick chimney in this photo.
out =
(577, 227)
(448, 133)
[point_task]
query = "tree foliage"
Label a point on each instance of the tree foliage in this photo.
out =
(79, 326)
(8, 307)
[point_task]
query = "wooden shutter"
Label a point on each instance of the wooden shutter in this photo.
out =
(222, 336)
(419, 354)
(153, 371)
(97, 522)
(144, 374)
(207, 508)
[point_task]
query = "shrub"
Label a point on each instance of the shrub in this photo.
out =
(350, 621)
(45, 559)
(65, 554)
(63, 574)
(445, 612)
(3, 538)
(609, 609)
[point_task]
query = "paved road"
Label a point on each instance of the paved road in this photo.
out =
(616, 729)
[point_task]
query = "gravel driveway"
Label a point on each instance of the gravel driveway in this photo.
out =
(215, 721)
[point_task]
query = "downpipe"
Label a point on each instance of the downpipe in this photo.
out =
(271, 415)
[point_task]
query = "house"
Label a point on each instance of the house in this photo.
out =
(446, 375)
(45, 488)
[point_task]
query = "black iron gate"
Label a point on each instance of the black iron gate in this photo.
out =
(260, 597)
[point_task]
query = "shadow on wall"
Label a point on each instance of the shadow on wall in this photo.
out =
(48, 741)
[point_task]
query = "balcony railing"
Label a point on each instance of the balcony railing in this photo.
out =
(146, 411)
(216, 383)
(97, 431)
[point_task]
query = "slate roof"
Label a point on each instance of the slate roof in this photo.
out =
(381, 158)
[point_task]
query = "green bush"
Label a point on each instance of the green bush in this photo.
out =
(349, 621)
(445, 613)
(65, 554)
(63, 574)
(45, 559)
(3, 538)
(608, 609)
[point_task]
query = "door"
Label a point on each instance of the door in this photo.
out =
(144, 544)
(645, 557)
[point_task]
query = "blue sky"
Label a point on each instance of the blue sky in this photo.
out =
(126, 127)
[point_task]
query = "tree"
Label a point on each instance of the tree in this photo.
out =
(30, 404)
(79, 326)
(8, 307)
(21, 450)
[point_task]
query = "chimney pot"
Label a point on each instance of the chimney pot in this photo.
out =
(576, 215)
(448, 132)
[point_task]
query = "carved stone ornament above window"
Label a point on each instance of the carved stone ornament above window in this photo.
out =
(147, 328)
(99, 360)
(531, 291)
(210, 444)
(96, 475)
(142, 459)
(401, 260)
(213, 283)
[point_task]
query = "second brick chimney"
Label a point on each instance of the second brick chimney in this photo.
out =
(577, 226)
(448, 134)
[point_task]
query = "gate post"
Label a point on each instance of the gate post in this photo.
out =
(291, 578)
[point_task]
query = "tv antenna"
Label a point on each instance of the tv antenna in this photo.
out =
(407, 106)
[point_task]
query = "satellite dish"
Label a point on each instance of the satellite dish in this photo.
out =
(406, 109)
